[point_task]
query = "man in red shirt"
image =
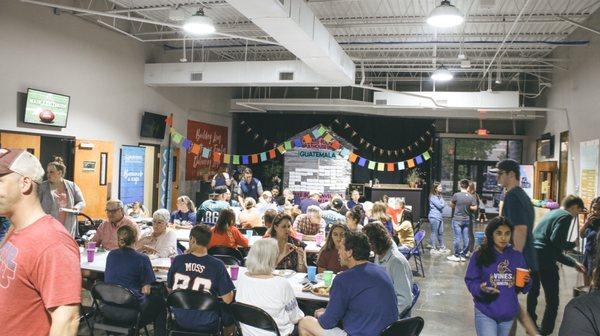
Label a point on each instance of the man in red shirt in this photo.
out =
(40, 279)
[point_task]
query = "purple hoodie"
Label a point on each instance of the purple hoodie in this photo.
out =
(500, 274)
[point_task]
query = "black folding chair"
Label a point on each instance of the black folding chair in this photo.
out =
(407, 327)
(117, 310)
(260, 230)
(192, 300)
(228, 251)
(254, 317)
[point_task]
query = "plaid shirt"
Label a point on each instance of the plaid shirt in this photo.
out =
(304, 225)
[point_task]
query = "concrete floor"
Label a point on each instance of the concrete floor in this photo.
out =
(445, 303)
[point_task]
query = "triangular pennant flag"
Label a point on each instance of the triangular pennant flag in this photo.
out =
(401, 165)
(169, 121)
(172, 130)
(297, 143)
(328, 138)
(281, 149)
(236, 159)
(380, 166)
(362, 161)
(316, 133)
(177, 138)
(419, 159)
(263, 156)
(410, 163)
(288, 145)
(390, 167)
(371, 165)
(426, 156)
(216, 156)
(335, 144)
(245, 159)
(254, 158)
(205, 153)
(272, 154)
(307, 139)
(226, 158)
(353, 157)
(187, 144)
(345, 152)
(196, 149)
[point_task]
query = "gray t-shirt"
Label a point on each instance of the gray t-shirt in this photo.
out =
(462, 201)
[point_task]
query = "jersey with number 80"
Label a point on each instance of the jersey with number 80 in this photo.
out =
(185, 282)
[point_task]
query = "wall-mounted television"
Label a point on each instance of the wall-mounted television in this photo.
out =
(546, 145)
(46, 108)
(153, 125)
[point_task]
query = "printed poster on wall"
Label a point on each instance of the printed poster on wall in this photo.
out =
(588, 172)
(527, 179)
(131, 174)
(209, 136)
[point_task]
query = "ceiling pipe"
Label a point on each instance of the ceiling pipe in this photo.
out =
(131, 18)
(577, 24)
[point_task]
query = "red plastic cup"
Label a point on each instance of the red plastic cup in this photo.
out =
(521, 273)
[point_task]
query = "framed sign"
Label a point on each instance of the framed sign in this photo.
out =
(131, 174)
(208, 136)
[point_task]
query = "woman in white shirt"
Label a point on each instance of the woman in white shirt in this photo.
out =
(258, 287)
(162, 242)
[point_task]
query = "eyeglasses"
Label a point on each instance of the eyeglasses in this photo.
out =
(112, 210)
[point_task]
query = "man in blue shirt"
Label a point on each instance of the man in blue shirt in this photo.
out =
(362, 298)
(249, 187)
(208, 211)
(197, 270)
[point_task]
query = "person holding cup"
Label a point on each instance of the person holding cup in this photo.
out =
(291, 251)
(274, 294)
(495, 282)
(329, 258)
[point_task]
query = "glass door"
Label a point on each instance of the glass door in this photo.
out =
(485, 180)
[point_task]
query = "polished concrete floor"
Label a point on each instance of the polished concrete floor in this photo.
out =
(445, 303)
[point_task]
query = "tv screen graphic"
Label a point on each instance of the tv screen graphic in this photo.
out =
(46, 108)
(153, 125)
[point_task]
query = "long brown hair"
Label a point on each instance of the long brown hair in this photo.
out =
(226, 219)
(434, 187)
(280, 217)
(329, 245)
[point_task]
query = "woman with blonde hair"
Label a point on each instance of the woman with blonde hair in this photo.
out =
(379, 213)
(250, 217)
(60, 197)
(185, 216)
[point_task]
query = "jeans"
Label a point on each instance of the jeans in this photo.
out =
(461, 232)
(437, 233)
(486, 326)
(548, 278)
(471, 235)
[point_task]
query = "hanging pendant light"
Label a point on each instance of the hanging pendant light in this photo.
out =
(445, 16)
(442, 74)
(199, 24)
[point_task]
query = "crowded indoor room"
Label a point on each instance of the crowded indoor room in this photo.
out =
(299, 167)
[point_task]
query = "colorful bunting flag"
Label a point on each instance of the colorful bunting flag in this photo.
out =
(187, 144)
(169, 121)
(353, 157)
(281, 149)
(245, 159)
(254, 158)
(236, 159)
(307, 139)
(426, 155)
(410, 163)
(177, 138)
(216, 156)
(390, 167)
(297, 143)
(263, 156)
(322, 130)
(362, 162)
(196, 149)
(328, 138)
(401, 165)
(316, 133)
(371, 165)
(172, 130)
(380, 166)
(205, 152)
(419, 159)
(345, 152)
(335, 145)
(288, 145)
(226, 158)
(272, 154)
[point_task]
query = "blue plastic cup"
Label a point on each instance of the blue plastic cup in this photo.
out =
(312, 273)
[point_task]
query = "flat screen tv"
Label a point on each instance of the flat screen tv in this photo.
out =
(46, 108)
(546, 144)
(153, 125)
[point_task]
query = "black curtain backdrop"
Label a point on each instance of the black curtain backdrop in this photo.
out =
(387, 133)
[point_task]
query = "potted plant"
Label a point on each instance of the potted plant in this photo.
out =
(414, 178)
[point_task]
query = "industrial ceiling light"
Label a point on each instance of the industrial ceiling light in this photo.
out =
(498, 74)
(445, 16)
(198, 24)
(442, 74)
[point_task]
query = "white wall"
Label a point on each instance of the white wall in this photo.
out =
(103, 73)
(578, 91)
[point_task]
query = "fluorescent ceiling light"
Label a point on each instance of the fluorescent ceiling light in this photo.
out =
(445, 15)
(442, 74)
(198, 24)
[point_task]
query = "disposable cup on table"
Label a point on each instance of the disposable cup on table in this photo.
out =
(319, 239)
(520, 278)
(299, 236)
(92, 245)
(328, 278)
(312, 273)
(249, 234)
(90, 254)
(234, 269)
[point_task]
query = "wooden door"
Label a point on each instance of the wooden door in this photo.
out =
(21, 141)
(93, 174)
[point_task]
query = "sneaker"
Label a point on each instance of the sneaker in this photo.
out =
(444, 250)
(467, 255)
(462, 259)
(453, 258)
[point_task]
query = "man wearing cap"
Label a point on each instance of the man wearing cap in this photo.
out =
(518, 209)
(208, 212)
(106, 235)
(40, 277)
